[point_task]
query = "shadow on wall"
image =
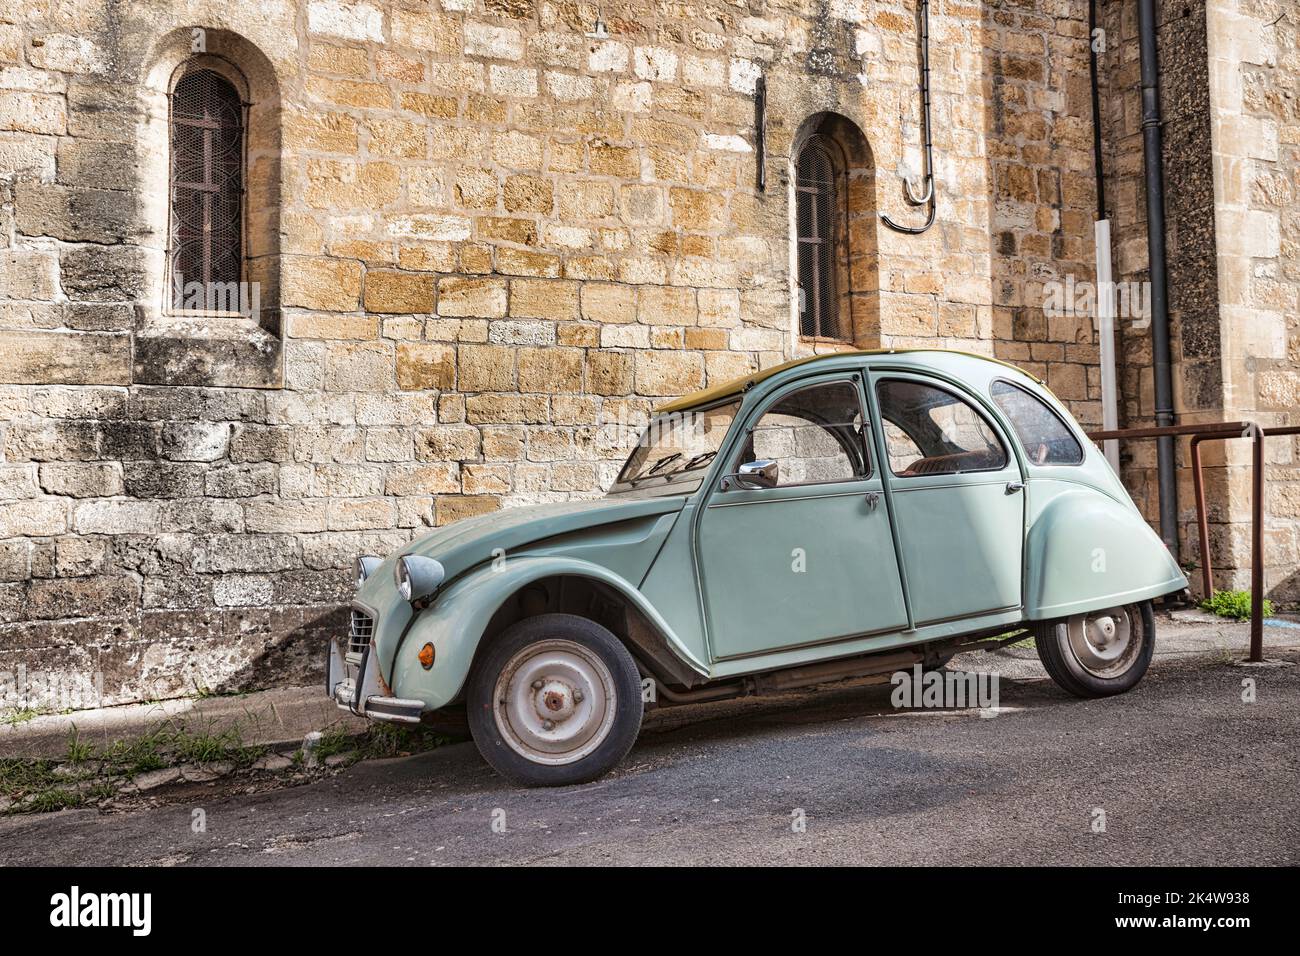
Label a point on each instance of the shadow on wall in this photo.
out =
(54, 662)
(223, 651)
(1286, 593)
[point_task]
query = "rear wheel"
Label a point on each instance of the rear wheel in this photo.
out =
(555, 700)
(1099, 653)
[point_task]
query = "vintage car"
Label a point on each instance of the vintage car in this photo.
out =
(837, 516)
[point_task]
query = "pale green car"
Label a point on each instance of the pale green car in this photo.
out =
(840, 516)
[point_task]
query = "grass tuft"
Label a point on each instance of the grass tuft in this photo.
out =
(1234, 604)
(19, 716)
(78, 752)
(89, 774)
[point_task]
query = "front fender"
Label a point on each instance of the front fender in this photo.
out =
(1086, 552)
(459, 616)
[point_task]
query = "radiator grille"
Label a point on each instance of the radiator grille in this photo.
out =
(363, 628)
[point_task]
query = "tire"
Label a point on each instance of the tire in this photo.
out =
(563, 670)
(1101, 653)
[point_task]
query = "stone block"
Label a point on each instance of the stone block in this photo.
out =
(424, 479)
(423, 365)
(540, 299)
(65, 357)
(668, 373)
(28, 112)
(318, 283)
(550, 369)
(398, 292)
(75, 213)
(472, 297)
(447, 443)
(99, 479)
(33, 517)
(452, 508)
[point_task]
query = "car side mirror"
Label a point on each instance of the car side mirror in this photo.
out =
(764, 473)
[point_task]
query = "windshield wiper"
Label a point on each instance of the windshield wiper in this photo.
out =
(653, 470)
(703, 458)
(695, 461)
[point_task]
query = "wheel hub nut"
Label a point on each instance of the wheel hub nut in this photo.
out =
(554, 701)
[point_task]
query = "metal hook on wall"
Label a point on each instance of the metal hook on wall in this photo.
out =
(929, 191)
(928, 197)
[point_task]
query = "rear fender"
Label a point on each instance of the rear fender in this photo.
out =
(1087, 552)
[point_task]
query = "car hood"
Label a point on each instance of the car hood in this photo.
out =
(471, 541)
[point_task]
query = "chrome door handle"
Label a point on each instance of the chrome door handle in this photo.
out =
(1014, 486)
(873, 499)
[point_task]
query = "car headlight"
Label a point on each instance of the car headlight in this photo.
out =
(363, 567)
(417, 577)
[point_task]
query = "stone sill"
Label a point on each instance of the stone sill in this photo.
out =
(811, 343)
(207, 349)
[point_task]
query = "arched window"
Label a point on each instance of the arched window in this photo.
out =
(206, 240)
(820, 193)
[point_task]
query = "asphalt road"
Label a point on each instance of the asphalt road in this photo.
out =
(1185, 772)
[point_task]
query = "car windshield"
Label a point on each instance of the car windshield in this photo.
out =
(678, 443)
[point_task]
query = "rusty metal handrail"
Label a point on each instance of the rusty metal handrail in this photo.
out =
(1223, 431)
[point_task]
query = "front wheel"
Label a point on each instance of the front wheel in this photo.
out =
(555, 700)
(1099, 653)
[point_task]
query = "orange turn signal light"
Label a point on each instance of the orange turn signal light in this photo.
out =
(426, 656)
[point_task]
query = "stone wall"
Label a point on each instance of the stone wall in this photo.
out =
(1254, 70)
(484, 239)
(1193, 300)
(1038, 123)
(1228, 73)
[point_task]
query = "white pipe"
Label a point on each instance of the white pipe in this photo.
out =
(1105, 317)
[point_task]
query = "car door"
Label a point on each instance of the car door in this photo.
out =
(810, 560)
(957, 498)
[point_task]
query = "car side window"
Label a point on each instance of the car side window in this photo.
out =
(931, 431)
(1046, 439)
(902, 450)
(815, 434)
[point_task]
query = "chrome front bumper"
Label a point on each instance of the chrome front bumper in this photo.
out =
(352, 682)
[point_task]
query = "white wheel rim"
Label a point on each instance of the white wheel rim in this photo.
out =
(555, 702)
(1104, 642)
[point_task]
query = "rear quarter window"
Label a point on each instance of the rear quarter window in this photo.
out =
(1047, 440)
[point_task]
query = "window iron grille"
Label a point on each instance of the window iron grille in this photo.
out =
(206, 241)
(819, 216)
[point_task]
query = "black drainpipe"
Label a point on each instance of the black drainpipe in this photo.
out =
(928, 197)
(1155, 183)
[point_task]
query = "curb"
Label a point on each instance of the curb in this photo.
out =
(269, 718)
